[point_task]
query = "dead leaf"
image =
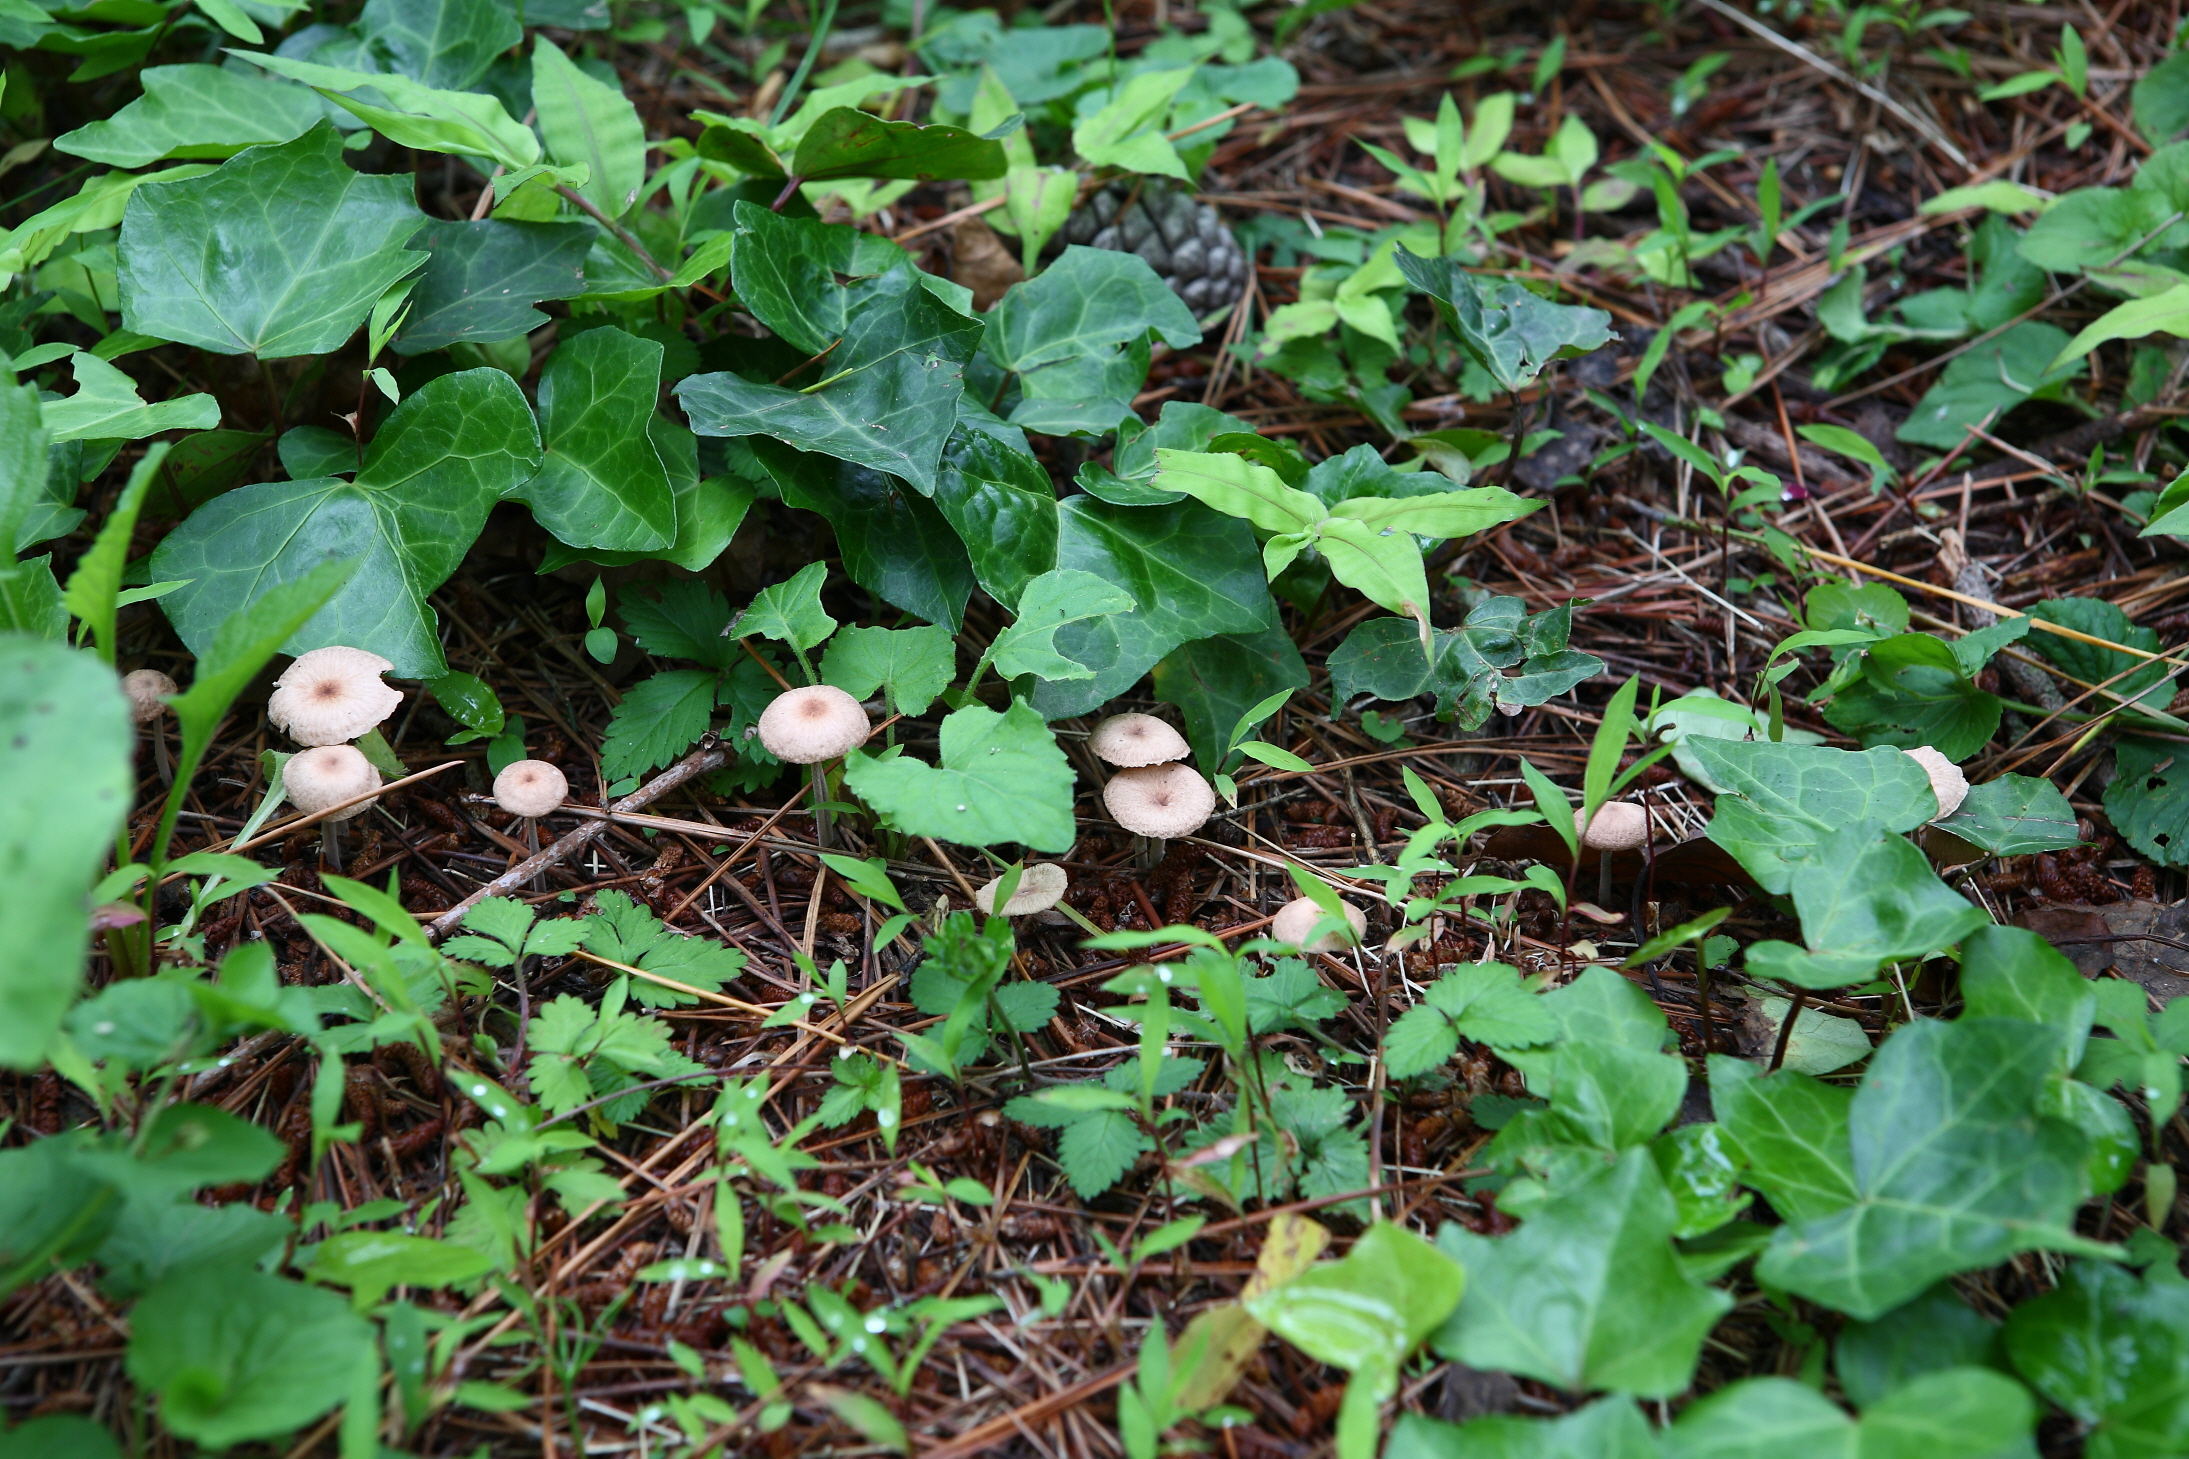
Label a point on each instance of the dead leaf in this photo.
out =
(1221, 1341)
(2097, 938)
(980, 261)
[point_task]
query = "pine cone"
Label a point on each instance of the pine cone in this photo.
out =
(1184, 241)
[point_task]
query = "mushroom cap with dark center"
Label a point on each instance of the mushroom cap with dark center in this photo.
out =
(1296, 918)
(147, 689)
(331, 695)
(1136, 740)
(328, 775)
(1947, 782)
(1161, 801)
(816, 723)
(1619, 826)
(1040, 886)
(530, 788)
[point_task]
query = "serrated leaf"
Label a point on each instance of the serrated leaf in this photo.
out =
(1097, 1149)
(657, 721)
(1485, 1002)
(1048, 603)
(1002, 778)
(914, 664)
(683, 620)
(432, 473)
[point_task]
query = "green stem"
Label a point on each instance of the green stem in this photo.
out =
(814, 43)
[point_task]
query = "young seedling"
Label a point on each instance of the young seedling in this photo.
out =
(324, 776)
(148, 690)
(812, 726)
(332, 695)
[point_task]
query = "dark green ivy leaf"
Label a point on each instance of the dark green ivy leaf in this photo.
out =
(482, 279)
(600, 482)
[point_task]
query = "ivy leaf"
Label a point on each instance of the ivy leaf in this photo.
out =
(2109, 1349)
(1953, 1166)
(482, 279)
(1872, 895)
(888, 398)
(443, 43)
(600, 482)
(2148, 798)
(106, 407)
(847, 142)
(282, 251)
(2014, 815)
(1216, 681)
(803, 278)
(195, 111)
(1002, 778)
(895, 542)
(1780, 800)
(1588, 1294)
(1049, 602)
(588, 123)
(1957, 1413)
(463, 123)
(1192, 574)
(1063, 330)
(1611, 1428)
(1000, 502)
(1914, 691)
(1127, 131)
(1609, 1083)
(1792, 1134)
(915, 664)
(1486, 1002)
(1989, 381)
(1509, 331)
(439, 463)
(1465, 666)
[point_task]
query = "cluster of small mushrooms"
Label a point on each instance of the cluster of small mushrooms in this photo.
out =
(324, 700)
(1158, 797)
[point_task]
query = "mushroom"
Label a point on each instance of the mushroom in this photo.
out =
(1297, 918)
(326, 776)
(809, 726)
(148, 690)
(1040, 887)
(1618, 826)
(529, 789)
(1157, 803)
(1947, 782)
(1135, 740)
(332, 695)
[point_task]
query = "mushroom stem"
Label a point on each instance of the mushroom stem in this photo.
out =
(1603, 879)
(161, 760)
(820, 806)
(1149, 851)
(330, 844)
(528, 833)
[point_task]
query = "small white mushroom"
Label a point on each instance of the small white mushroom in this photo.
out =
(326, 776)
(1159, 802)
(1297, 918)
(529, 789)
(1041, 886)
(1134, 740)
(1619, 826)
(148, 690)
(809, 726)
(1947, 782)
(332, 695)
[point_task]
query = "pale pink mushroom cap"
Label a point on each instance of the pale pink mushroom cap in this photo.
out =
(1947, 782)
(332, 695)
(147, 689)
(1296, 918)
(1619, 826)
(530, 788)
(1135, 740)
(328, 775)
(1040, 886)
(816, 723)
(1160, 801)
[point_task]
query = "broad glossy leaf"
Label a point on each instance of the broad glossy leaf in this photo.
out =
(106, 407)
(195, 111)
(65, 784)
(600, 482)
(1066, 331)
(442, 43)
(238, 1355)
(1869, 893)
(1608, 1080)
(2140, 677)
(589, 124)
(465, 123)
(1509, 331)
(895, 543)
(26, 469)
(913, 664)
(1001, 778)
(1937, 1330)
(847, 142)
(1464, 666)
(1126, 131)
(1000, 502)
(804, 278)
(1914, 691)
(1956, 1413)
(1989, 381)
(1193, 573)
(1782, 798)
(1588, 1294)
(789, 611)
(708, 512)
(2114, 1352)
(2014, 815)
(1612, 1428)
(889, 398)
(1791, 1132)
(481, 280)
(282, 251)
(1954, 1167)
(2148, 798)
(431, 475)
(1214, 681)
(1050, 602)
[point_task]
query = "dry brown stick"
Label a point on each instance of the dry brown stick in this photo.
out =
(982, 1436)
(709, 756)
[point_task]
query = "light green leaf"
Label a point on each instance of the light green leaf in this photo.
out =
(1049, 602)
(790, 611)
(914, 664)
(1238, 487)
(195, 111)
(106, 407)
(1442, 514)
(1997, 196)
(1385, 568)
(282, 251)
(465, 123)
(1850, 444)
(1781, 800)
(588, 123)
(369, 1263)
(1127, 131)
(1002, 778)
